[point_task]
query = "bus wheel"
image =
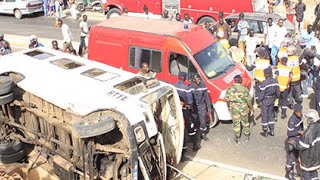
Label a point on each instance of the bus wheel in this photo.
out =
(215, 119)
(114, 12)
(207, 19)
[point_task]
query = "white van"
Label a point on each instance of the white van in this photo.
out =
(20, 7)
(89, 120)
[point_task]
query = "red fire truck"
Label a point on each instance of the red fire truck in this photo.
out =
(199, 11)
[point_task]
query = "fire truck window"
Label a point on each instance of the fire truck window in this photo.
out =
(139, 55)
(180, 63)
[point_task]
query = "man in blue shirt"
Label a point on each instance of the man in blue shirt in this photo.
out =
(306, 38)
(243, 27)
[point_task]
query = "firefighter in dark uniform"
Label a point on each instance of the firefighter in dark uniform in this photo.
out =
(269, 91)
(201, 104)
(294, 132)
(316, 88)
(191, 129)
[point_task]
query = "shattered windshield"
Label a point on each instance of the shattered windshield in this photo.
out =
(214, 60)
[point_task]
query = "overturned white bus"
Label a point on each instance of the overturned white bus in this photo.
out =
(86, 120)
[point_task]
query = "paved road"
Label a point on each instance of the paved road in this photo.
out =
(41, 26)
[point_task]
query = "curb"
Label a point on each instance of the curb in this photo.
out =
(237, 169)
(23, 41)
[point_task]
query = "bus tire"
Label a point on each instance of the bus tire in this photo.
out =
(94, 127)
(113, 13)
(10, 148)
(215, 119)
(5, 85)
(14, 157)
(207, 19)
(5, 99)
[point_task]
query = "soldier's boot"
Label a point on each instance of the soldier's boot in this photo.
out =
(271, 132)
(237, 139)
(289, 175)
(247, 139)
(264, 133)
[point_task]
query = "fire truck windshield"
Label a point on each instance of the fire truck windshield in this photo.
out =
(214, 60)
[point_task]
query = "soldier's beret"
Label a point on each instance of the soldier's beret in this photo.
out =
(297, 107)
(182, 74)
(267, 70)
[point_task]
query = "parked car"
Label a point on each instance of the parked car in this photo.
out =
(20, 7)
(257, 22)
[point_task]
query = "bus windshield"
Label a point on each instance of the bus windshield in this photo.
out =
(214, 60)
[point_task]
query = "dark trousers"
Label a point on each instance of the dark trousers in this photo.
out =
(316, 23)
(82, 46)
(257, 90)
(292, 156)
(317, 103)
(308, 175)
(191, 129)
(283, 101)
(267, 114)
(200, 113)
(295, 93)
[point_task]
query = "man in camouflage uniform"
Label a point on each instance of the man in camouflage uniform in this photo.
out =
(239, 102)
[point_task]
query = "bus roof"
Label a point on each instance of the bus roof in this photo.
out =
(75, 84)
(191, 36)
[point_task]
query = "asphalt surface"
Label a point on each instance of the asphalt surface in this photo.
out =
(39, 25)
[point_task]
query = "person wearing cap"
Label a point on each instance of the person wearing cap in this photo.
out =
(258, 67)
(239, 102)
(309, 146)
(294, 132)
(269, 91)
(284, 76)
(191, 129)
(201, 104)
(34, 42)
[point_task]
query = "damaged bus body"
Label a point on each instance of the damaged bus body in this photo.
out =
(87, 119)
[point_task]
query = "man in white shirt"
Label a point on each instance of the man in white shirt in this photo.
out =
(84, 34)
(187, 19)
(280, 35)
(270, 32)
(66, 33)
(251, 44)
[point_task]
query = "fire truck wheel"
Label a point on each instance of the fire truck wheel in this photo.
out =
(113, 13)
(10, 148)
(206, 19)
(5, 99)
(215, 119)
(10, 158)
(5, 85)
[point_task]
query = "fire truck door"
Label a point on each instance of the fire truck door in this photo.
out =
(173, 6)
